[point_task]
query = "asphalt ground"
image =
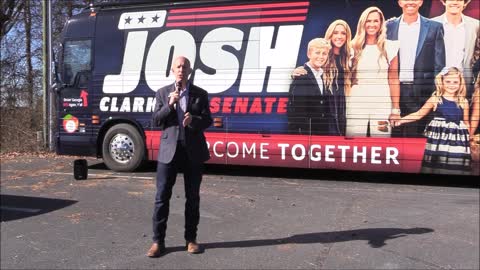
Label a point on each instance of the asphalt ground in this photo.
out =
(251, 218)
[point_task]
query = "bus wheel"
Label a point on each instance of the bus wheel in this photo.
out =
(123, 148)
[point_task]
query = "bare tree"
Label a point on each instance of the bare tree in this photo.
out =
(11, 10)
(20, 74)
(21, 66)
(27, 19)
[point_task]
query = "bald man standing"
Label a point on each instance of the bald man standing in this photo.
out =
(182, 112)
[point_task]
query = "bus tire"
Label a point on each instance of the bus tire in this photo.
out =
(123, 148)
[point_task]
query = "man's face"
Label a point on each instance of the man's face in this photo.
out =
(454, 7)
(318, 57)
(410, 7)
(181, 69)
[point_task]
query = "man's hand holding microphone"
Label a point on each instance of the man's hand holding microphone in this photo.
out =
(173, 103)
(175, 96)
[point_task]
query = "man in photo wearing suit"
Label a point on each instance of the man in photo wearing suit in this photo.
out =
(460, 36)
(421, 58)
(182, 112)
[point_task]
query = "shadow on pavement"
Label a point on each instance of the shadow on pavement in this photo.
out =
(16, 207)
(350, 176)
(376, 238)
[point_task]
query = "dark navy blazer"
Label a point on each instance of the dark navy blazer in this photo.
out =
(430, 54)
(429, 58)
(309, 109)
(166, 118)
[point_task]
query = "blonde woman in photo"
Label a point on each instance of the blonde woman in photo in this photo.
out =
(340, 36)
(374, 98)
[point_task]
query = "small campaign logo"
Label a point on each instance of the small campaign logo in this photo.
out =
(70, 123)
(145, 19)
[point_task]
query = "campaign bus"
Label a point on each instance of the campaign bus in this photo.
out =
(274, 101)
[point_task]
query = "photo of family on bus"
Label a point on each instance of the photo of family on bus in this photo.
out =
(408, 76)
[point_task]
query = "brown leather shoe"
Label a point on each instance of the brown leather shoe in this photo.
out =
(193, 248)
(156, 250)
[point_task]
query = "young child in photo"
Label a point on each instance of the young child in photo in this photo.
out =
(308, 108)
(448, 147)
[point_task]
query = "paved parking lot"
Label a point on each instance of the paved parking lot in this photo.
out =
(249, 220)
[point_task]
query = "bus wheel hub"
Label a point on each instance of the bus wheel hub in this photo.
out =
(122, 148)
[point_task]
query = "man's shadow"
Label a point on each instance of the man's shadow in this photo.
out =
(376, 238)
(13, 207)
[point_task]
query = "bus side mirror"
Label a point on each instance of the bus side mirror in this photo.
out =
(56, 87)
(55, 84)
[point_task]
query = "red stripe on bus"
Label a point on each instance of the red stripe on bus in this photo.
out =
(239, 21)
(328, 152)
(238, 14)
(207, 9)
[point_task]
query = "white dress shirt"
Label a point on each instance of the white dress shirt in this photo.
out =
(408, 36)
(318, 76)
(454, 43)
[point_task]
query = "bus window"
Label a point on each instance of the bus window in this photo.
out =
(76, 59)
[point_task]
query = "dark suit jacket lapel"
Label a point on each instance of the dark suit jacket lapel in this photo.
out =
(394, 29)
(424, 24)
(469, 35)
(192, 95)
(171, 88)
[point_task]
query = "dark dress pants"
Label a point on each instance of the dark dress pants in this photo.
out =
(166, 176)
(412, 98)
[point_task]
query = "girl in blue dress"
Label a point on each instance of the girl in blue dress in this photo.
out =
(448, 148)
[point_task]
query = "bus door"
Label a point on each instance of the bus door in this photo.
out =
(74, 113)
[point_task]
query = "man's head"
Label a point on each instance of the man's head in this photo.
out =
(410, 7)
(318, 49)
(181, 69)
(455, 7)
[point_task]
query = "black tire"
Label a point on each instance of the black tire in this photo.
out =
(123, 148)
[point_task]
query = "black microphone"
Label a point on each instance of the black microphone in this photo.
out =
(178, 88)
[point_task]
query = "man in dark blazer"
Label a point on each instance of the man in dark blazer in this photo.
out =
(182, 112)
(459, 30)
(421, 58)
(309, 99)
